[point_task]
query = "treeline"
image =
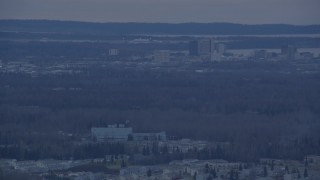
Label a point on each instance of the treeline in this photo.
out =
(75, 51)
(44, 150)
(155, 154)
(153, 28)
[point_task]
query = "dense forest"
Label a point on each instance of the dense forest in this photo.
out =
(154, 28)
(55, 86)
(260, 108)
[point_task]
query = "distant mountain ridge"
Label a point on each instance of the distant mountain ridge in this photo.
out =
(52, 26)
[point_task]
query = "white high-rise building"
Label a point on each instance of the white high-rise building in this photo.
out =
(221, 48)
(204, 47)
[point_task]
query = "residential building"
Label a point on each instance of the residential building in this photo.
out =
(193, 48)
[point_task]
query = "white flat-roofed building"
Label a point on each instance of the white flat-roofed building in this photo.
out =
(120, 132)
(111, 133)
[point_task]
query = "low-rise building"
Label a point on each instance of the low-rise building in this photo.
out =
(117, 132)
(149, 136)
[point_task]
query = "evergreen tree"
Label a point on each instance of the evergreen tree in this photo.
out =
(265, 171)
(1, 174)
(112, 159)
(147, 151)
(286, 169)
(213, 173)
(149, 173)
(240, 167)
(246, 165)
(123, 163)
(130, 137)
(231, 174)
(305, 174)
(206, 168)
(236, 176)
(165, 149)
(144, 151)
(155, 149)
(306, 163)
(299, 175)
(195, 176)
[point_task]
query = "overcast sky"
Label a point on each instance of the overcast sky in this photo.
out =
(172, 11)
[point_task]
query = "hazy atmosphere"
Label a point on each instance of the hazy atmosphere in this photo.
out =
(173, 11)
(159, 89)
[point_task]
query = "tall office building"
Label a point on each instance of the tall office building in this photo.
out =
(204, 47)
(193, 48)
(213, 46)
(289, 52)
(207, 49)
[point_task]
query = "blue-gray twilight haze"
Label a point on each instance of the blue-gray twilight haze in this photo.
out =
(172, 11)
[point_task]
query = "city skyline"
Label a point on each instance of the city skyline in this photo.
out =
(298, 12)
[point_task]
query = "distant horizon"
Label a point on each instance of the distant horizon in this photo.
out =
(160, 22)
